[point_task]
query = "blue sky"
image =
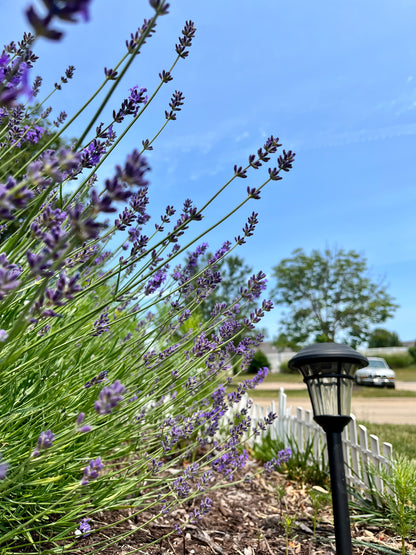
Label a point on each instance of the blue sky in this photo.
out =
(335, 81)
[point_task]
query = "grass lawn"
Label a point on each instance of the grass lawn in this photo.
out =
(402, 374)
(401, 436)
(361, 392)
(406, 374)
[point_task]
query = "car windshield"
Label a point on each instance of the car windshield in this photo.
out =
(377, 364)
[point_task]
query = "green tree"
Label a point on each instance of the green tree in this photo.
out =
(234, 275)
(329, 295)
(380, 337)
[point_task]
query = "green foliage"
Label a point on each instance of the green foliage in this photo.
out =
(258, 361)
(398, 360)
(234, 275)
(400, 499)
(380, 337)
(412, 352)
(320, 499)
(282, 341)
(395, 507)
(329, 294)
(301, 465)
(288, 525)
(284, 368)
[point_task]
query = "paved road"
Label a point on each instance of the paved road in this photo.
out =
(380, 410)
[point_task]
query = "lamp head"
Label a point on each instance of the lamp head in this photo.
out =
(328, 370)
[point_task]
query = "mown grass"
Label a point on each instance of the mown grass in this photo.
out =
(406, 374)
(401, 436)
(360, 392)
(402, 374)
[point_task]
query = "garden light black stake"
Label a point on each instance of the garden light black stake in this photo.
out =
(328, 371)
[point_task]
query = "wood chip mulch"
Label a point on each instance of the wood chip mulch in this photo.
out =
(245, 519)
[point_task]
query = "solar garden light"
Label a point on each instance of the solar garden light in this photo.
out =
(328, 371)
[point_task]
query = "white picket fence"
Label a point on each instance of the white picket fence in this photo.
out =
(362, 451)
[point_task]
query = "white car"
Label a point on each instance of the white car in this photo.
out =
(377, 373)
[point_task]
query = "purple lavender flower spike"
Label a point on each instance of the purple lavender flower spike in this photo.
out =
(160, 6)
(3, 336)
(66, 10)
(185, 41)
(45, 440)
(84, 528)
(110, 397)
(283, 457)
(135, 169)
(81, 418)
(9, 274)
(92, 470)
(4, 468)
(82, 226)
(102, 324)
(111, 74)
(12, 200)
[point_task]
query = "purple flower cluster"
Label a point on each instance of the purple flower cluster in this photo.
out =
(4, 468)
(156, 281)
(14, 72)
(175, 105)
(102, 325)
(131, 105)
(3, 336)
(92, 471)
(80, 419)
(9, 276)
(110, 397)
(97, 379)
(45, 441)
(13, 196)
(245, 385)
(65, 289)
(84, 528)
(185, 41)
(137, 38)
(230, 462)
(65, 10)
(256, 284)
(283, 457)
(248, 228)
(204, 508)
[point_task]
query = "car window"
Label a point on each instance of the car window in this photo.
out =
(377, 364)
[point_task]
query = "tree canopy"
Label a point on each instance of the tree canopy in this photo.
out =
(380, 337)
(330, 296)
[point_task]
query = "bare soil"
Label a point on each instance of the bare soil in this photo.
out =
(246, 519)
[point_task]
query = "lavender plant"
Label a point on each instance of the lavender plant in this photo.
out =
(103, 389)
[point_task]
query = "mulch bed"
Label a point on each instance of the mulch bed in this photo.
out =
(245, 519)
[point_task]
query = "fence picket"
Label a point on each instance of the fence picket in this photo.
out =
(358, 455)
(362, 434)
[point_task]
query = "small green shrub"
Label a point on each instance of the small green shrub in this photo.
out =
(399, 360)
(412, 353)
(284, 368)
(396, 507)
(258, 361)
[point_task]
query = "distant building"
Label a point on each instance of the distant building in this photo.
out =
(276, 356)
(408, 344)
